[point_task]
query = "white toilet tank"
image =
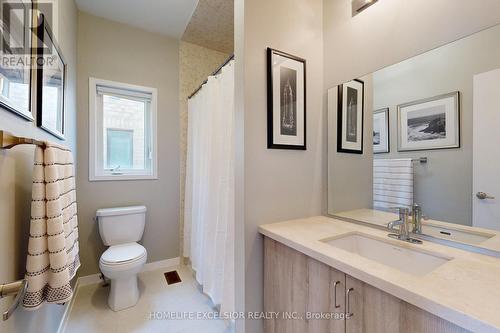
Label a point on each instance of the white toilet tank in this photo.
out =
(121, 224)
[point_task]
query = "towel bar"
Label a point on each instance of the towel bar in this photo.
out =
(8, 141)
(421, 160)
(17, 288)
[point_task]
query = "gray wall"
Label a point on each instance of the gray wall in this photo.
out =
(16, 166)
(278, 184)
(117, 52)
(443, 186)
(386, 33)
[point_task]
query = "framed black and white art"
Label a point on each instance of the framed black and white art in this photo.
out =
(286, 101)
(51, 81)
(350, 117)
(432, 123)
(381, 143)
(15, 69)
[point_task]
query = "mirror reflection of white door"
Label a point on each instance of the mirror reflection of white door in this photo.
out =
(486, 151)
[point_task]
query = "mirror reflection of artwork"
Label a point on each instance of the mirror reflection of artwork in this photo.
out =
(427, 124)
(350, 117)
(432, 123)
(381, 131)
(286, 105)
(15, 75)
(288, 87)
(51, 79)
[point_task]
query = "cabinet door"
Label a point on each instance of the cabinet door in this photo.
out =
(297, 285)
(370, 310)
(375, 311)
(326, 300)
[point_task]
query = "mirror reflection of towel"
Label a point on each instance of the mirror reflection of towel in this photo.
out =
(392, 183)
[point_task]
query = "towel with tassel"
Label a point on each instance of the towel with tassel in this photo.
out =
(53, 240)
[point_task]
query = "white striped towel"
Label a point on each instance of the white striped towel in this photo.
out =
(392, 183)
(53, 240)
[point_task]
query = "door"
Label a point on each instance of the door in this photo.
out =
(296, 285)
(486, 151)
(370, 310)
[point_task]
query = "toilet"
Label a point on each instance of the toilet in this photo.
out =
(120, 229)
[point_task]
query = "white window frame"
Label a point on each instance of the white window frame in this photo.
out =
(96, 167)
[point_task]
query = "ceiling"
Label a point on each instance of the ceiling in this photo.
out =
(212, 25)
(167, 17)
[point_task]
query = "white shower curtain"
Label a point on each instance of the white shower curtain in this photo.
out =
(209, 201)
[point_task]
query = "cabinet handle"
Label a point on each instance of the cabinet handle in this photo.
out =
(335, 294)
(348, 313)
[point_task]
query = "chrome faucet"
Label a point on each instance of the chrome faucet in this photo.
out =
(404, 227)
(416, 218)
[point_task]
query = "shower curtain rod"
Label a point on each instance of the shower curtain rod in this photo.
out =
(217, 71)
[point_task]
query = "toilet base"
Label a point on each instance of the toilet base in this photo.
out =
(124, 293)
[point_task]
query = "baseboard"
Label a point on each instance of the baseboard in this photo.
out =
(96, 278)
(88, 279)
(151, 266)
(67, 308)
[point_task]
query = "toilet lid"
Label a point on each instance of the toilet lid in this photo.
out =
(122, 253)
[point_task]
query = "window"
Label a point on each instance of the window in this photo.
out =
(122, 131)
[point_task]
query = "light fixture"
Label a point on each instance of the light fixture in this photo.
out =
(359, 5)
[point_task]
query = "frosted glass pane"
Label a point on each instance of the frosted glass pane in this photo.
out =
(125, 120)
(120, 149)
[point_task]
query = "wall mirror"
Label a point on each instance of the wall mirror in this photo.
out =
(431, 137)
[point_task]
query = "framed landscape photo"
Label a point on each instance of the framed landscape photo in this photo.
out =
(350, 117)
(286, 101)
(51, 82)
(432, 123)
(15, 49)
(381, 143)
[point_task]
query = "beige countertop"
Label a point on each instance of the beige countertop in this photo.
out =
(464, 290)
(381, 218)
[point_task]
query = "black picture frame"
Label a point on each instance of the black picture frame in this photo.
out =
(271, 110)
(26, 113)
(340, 131)
(43, 30)
(386, 112)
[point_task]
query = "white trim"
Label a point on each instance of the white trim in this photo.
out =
(96, 278)
(93, 160)
(68, 307)
(88, 279)
(64, 319)
(162, 264)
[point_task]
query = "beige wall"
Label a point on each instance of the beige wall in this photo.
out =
(15, 186)
(278, 184)
(196, 63)
(275, 185)
(386, 33)
(113, 51)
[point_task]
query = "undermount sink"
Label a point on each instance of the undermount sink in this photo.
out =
(405, 259)
(463, 236)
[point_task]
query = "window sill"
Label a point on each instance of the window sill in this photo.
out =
(122, 177)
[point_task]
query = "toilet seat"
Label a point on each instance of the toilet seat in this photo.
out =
(123, 254)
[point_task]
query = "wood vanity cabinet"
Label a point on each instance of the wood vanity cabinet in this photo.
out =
(301, 289)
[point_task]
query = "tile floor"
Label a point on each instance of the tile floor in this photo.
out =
(90, 312)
